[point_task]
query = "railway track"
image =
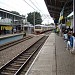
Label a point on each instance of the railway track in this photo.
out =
(18, 65)
(48, 32)
(4, 46)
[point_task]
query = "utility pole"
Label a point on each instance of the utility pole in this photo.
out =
(73, 16)
(73, 24)
(34, 18)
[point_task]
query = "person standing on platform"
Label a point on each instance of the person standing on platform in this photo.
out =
(4, 31)
(14, 30)
(57, 30)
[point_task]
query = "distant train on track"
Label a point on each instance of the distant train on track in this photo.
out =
(38, 29)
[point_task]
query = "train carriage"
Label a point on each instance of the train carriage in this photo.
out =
(38, 29)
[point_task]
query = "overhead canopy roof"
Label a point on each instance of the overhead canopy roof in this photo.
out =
(55, 7)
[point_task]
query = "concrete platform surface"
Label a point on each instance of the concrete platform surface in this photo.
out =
(53, 58)
(10, 35)
(44, 63)
(65, 61)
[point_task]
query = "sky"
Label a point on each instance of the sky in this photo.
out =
(22, 7)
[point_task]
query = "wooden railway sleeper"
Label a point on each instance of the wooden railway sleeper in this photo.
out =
(5, 73)
(11, 69)
(26, 54)
(23, 57)
(18, 65)
(11, 72)
(8, 70)
(20, 62)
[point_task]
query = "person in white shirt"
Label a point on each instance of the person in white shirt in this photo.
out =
(14, 30)
(65, 36)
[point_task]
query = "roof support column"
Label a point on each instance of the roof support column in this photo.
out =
(74, 16)
(73, 51)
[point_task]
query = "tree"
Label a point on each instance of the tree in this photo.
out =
(15, 12)
(38, 19)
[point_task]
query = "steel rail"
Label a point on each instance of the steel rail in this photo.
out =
(6, 67)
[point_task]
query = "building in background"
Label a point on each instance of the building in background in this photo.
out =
(10, 21)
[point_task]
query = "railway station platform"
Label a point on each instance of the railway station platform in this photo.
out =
(53, 59)
(10, 37)
(44, 63)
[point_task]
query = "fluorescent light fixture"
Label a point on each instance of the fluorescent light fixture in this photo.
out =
(70, 14)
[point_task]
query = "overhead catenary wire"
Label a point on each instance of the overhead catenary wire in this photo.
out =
(29, 4)
(46, 16)
(35, 5)
(38, 6)
(9, 6)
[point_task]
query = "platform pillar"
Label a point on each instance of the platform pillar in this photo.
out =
(73, 51)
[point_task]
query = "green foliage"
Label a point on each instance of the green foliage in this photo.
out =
(38, 18)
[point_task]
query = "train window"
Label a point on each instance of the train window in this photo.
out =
(37, 27)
